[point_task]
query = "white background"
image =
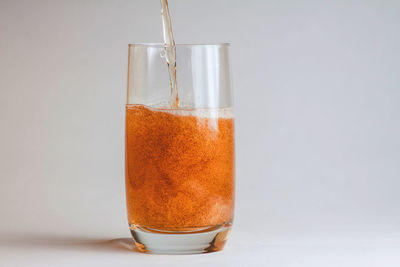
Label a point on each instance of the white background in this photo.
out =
(317, 100)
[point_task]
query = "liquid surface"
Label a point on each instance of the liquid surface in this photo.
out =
(179, 167)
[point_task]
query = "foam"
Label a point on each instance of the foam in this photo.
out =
(224, 113)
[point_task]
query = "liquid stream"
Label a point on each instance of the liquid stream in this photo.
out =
(170, 52)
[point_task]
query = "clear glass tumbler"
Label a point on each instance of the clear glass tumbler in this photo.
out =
(180, 162)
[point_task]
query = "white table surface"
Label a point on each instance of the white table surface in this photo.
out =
(245, 248)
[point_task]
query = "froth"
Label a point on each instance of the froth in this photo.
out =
(224, 113)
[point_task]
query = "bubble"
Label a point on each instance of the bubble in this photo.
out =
(162, 54)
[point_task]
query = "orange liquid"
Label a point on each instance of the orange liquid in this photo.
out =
(179, 169)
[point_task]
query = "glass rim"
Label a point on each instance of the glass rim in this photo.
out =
(179, 45)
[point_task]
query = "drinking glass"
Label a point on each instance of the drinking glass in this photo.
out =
(180, 162)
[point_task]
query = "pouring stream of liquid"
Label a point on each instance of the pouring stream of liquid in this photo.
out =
(170, 52)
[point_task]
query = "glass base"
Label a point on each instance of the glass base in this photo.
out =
(182, 241)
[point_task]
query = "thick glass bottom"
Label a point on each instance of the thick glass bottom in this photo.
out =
(180, 241)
